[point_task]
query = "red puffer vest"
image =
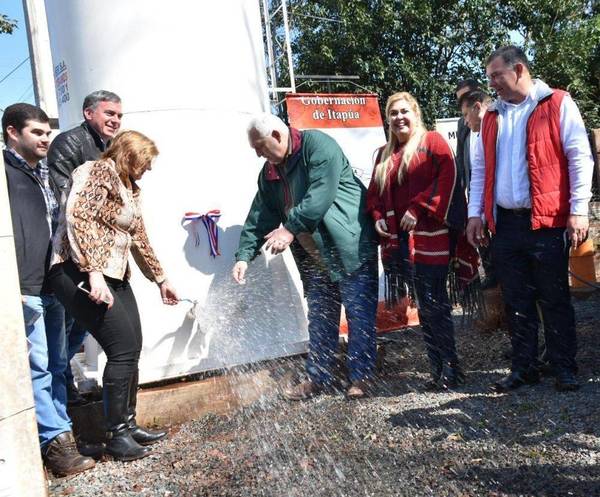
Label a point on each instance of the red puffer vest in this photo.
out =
(548, 166)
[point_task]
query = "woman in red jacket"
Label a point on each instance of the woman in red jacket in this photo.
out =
(418, 207)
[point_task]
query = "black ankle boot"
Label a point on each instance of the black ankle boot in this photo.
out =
(452, 376)
(434, 383)
(139, 434)
(119, 442)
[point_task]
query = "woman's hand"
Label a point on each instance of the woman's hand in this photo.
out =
(408, 221)
(381, 228)
(99, 291)
(167, 293)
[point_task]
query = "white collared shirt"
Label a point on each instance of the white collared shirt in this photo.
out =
(473, 136)
(512, 188)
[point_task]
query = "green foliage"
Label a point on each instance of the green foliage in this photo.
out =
(7, 25)
(426, 47)
(563, 38)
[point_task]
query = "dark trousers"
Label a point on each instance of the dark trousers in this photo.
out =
(532, 265)
(117, 330)
(435, 315)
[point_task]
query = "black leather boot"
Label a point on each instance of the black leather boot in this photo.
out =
(119, 442)
(452, 376)
(434, 383)
(139, 434)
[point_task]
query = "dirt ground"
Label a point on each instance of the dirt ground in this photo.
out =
(401, 441)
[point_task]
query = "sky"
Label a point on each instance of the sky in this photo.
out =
(18, 87)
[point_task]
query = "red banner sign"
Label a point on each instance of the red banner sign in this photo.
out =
(333, 110)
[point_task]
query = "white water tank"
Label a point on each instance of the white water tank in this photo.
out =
(190, 73)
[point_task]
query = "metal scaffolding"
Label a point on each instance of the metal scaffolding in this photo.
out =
(280, 66)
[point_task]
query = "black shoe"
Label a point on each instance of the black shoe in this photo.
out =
(122, 447)
(119, 442)
(74, 398)
(434, 384)
(139, 434)
(144, 436)
(515, 380)
(89, 449)
(452, 376)
(545, 369)
(566, 382)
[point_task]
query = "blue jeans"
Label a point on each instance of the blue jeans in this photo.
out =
(75, 338)
(358, 293)
(45, 330)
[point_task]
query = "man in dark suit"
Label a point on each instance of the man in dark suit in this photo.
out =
(463, 164)
(102, 115)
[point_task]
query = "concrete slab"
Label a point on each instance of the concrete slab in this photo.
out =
(14, 369)
(21, 472)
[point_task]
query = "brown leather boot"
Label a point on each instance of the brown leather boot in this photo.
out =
(358, 390)
(302, 391)
(61, 456)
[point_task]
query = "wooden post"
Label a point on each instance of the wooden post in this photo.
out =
(21, 470)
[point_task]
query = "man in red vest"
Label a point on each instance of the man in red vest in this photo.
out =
(531, 184)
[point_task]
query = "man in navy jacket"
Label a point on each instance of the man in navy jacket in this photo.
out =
(34, 212)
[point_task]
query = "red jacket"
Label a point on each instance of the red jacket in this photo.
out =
(427, 191)
(548, 166)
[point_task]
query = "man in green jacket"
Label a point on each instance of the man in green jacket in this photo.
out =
(309, 199)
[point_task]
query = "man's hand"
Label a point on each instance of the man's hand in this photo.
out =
(577, 229)
(381, 228)
(475, 232)
(239, 272)
(278, 240)
(408, 221)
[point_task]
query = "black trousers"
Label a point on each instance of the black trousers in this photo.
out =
(532, 265)
(435, 314)
(117, 330)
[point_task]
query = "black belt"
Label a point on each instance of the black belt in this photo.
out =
(515, 212)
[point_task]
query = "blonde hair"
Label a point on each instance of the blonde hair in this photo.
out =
(132, 152)
(410, 148)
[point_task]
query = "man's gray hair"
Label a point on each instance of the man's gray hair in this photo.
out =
(94, 98)
(265, 123)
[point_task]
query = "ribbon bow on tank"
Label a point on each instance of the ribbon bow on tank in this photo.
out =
(209, 220)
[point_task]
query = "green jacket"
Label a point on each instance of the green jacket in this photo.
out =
(326, 199)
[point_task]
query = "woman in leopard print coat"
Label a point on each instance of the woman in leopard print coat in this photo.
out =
(100, 224)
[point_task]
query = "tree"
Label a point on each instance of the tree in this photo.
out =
(563, 39)
(7, 25)
(421, 47)
(426, 47)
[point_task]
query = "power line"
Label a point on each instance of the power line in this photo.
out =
(26, 92)
(19, 65)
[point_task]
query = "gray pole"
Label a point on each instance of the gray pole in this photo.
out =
(21, 470)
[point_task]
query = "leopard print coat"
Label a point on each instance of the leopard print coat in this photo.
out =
(101, 223)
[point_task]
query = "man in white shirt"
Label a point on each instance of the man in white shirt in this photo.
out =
(531, 184)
